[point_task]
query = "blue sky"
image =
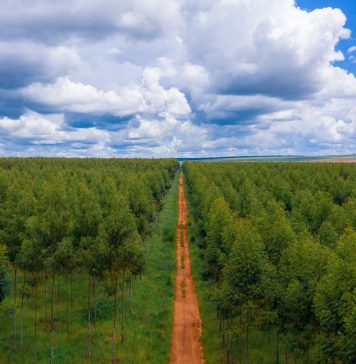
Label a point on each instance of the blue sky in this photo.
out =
(169, 78)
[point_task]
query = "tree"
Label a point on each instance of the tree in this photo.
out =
(215, 249)
(92, 254)
(4, 278)
(328, 234)
(277, 233)
(302, 265)
(18, 207)
(247, 277)
(31, 261)
(51, 226)
(119, 231)
(335, 304)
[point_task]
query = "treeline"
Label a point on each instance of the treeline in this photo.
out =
(278, 242)
(60, 217)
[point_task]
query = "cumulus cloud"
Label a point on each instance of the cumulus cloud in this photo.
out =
(165, 135)
(208, 77)
(38, 129)
(95, 19)
(35, 134)
(66, 95)
(265, 47)
(22, 63)
(148, 97)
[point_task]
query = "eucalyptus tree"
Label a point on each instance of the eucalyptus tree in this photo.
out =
(302, 266)
(88, 216)
(141, 203)
(119, 231)
(18, 206)
(51, 226)
(335, 304)
(247, 279)
(92, 255)
(215, 247)
(31, 261)
(4, 277)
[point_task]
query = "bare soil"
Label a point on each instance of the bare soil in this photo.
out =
(187, 326)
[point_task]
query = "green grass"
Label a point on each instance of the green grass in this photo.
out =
(148, 327)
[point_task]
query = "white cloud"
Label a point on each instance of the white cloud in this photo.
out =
(94, 19)
(22, 63)
(148, 97)
(114, 51)
(202, 77)
(265, 47)
(164, 135)
(78, 97)
(41, 129)
(33, 125)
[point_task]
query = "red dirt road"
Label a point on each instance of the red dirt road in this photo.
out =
(187, 328)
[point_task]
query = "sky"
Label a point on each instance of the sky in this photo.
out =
(177, 78)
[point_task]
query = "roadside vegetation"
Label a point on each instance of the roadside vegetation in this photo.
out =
(274, 254)
(87, 260)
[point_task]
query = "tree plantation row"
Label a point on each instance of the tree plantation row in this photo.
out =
(68, 223)
(278, 247)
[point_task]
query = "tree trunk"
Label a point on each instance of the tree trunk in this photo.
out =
(123, 308)
(231, 350)
(277, 348)
(247, 346)
(15, 294)
(94, 297)
(58, 289)
(131, 295)
(114, 359)
(240, 349)
(52, 318)
(223, 331)
(286, 355)
(240, 343)
(67, 305)
(35, 281)
(89, 322)
(71, 290)
(46, 300)
(22, 299)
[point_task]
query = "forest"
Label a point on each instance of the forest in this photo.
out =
(87, 260)
(72, 243)
(277, 250)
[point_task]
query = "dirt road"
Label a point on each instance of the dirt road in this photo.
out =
(185, 345)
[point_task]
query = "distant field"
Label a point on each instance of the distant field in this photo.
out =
(292, 158)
